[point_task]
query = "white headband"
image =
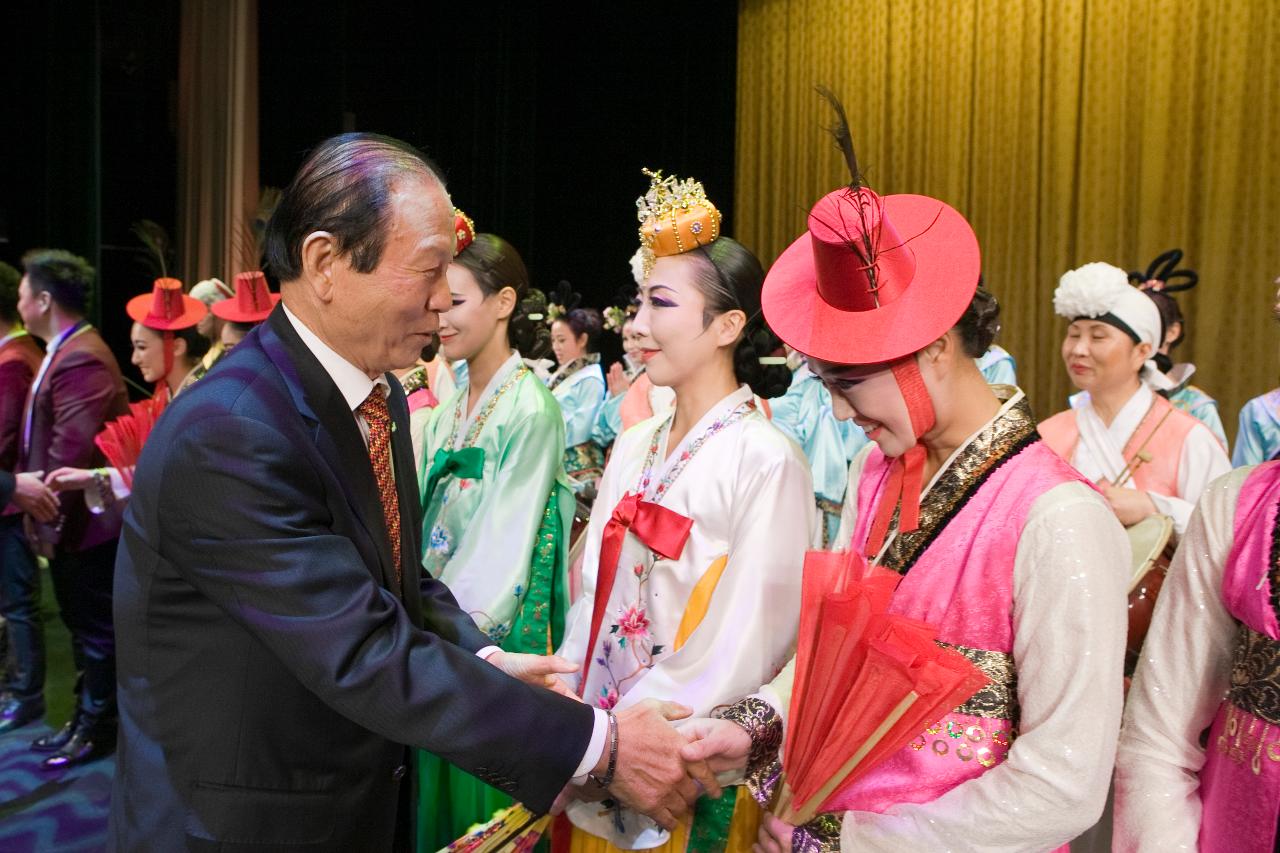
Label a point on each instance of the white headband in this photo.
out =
(1100, 291)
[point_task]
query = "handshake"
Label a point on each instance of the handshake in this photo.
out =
(659, 770)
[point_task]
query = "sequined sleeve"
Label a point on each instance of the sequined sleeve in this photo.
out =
(764, 725)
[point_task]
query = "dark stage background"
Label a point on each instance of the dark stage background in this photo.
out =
(541, 115)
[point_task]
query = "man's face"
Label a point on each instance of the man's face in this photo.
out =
(385, 317)
(33, 308)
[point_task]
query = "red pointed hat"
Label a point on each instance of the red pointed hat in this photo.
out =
(874, 278)
(252, 302)
(166, 308)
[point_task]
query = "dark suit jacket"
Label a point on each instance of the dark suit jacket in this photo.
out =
(269, 674)
(7, 485)
(19, 360)
(80, 392)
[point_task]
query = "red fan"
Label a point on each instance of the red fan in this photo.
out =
(121, 440)
(866, 681)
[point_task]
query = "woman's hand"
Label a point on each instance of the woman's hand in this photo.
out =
(723, 744)
(775, 836)
(618, 381)
(1129, 505)
(69, 480)
(538, 670)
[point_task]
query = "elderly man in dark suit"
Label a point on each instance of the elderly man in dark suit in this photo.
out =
(77, 389)
(279, 647)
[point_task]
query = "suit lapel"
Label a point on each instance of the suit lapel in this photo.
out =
(337, 436)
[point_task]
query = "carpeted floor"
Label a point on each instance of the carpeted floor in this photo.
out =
(42, 811)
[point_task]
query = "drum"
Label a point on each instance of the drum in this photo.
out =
(1151, 541)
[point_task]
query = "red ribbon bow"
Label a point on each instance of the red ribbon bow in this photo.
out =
(662, 530)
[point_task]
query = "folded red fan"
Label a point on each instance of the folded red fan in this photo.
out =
(866, 683)
(122, 440)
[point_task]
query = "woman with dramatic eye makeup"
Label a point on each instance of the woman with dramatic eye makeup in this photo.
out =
(497, 506)
(632, 395)
(691, 577)
(1002, 548)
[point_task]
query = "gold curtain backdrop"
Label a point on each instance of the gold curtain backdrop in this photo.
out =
(1066, 131)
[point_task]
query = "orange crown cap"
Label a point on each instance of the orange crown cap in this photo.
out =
(675, 217)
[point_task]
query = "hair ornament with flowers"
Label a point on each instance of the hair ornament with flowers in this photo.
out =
(561, 301)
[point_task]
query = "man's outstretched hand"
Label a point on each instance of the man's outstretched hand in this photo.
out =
(652, 777)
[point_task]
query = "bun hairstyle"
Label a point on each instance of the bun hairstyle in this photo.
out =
(496, 264)
(730, 278)
(980, 323)
(585, 321)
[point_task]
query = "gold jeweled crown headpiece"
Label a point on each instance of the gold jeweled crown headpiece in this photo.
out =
(675, 216)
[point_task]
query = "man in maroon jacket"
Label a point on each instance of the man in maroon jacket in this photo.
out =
(77, 389)
(20, 358)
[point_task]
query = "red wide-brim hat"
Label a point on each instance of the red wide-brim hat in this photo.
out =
(252, 302)
(822, 298)
(166, 308)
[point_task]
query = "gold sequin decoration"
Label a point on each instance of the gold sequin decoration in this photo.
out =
(999, 699)
(1002, 439)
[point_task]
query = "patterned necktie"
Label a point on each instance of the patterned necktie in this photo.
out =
(374, 411)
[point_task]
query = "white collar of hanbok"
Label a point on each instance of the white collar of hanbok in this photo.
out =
(1106, 443)
(726, 405)
(499, 376)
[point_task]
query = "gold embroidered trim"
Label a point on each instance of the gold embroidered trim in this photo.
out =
(820, 835)
(999, 699)
(1001, 440)
(763, 724)
(1255, 675)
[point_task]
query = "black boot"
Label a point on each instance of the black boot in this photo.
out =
(91, 738)
(55, 741)
(15, 712)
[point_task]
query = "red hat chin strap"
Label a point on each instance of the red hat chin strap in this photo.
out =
(906, 479)
(163, 385)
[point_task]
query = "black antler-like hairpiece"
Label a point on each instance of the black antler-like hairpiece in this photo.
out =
(1162, 276)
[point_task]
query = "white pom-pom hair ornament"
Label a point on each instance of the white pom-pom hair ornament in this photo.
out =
(640, 263)
(1090, 291)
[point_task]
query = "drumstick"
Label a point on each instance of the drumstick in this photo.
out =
(1134, 464)
(1141, 456)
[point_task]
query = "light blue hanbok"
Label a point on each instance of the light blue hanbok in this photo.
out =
(998, 366)
(804, 413)
(579, 388)
(1258, 439)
